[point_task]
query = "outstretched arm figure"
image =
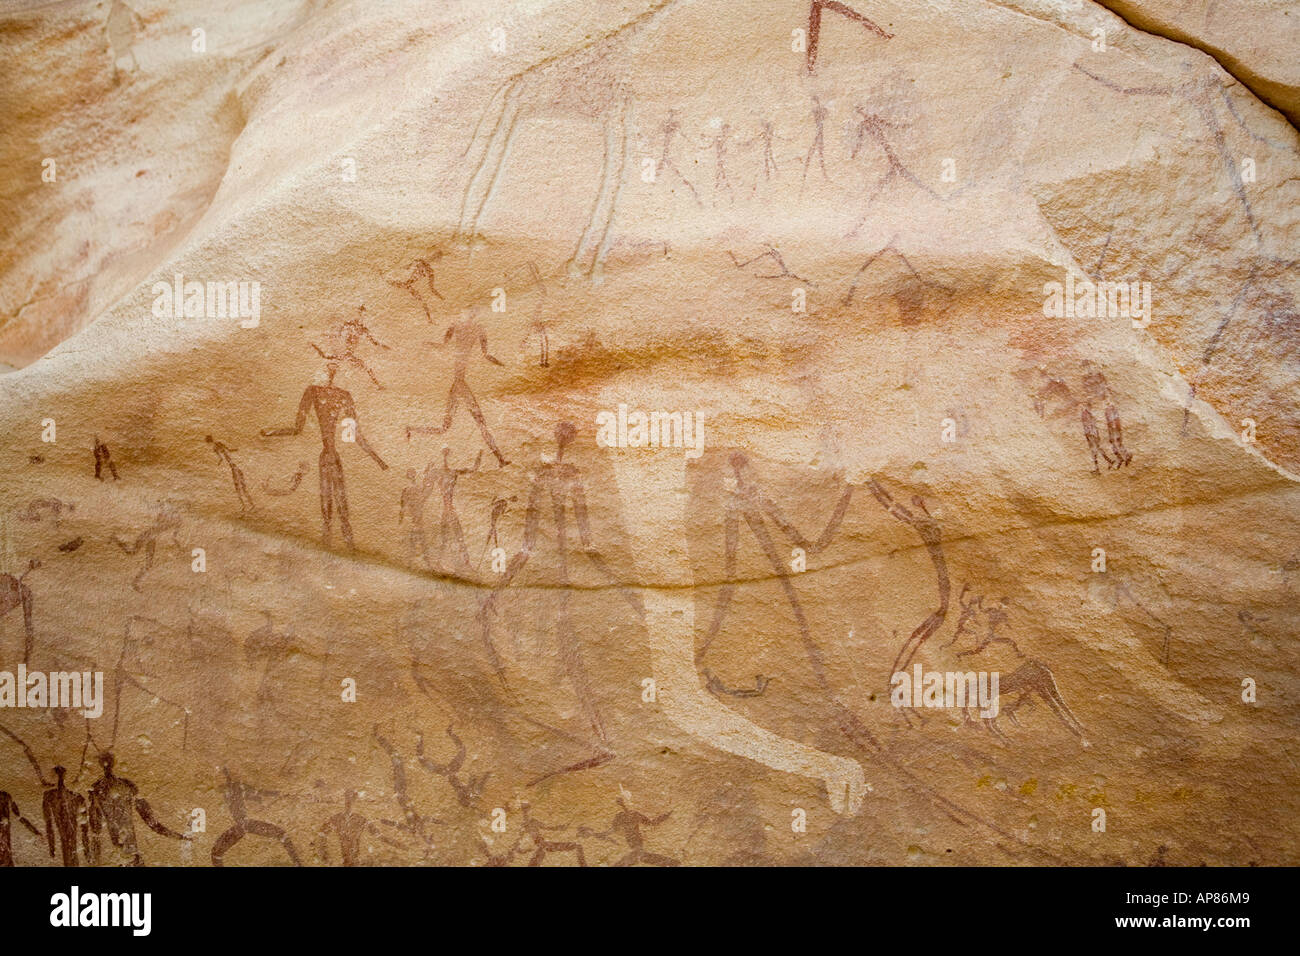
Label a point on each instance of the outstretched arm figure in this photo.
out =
(928, 529)
(153, 823)
(304, 408)
(482, 341)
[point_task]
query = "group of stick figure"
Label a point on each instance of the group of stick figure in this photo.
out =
(94, 828)
(336, 414)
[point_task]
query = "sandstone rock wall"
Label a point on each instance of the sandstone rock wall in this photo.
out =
(357, 560)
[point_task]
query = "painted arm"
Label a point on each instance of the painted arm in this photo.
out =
(24, 821)
(304, 407)
(379, 834)
(833, 525)
(153, 823)
(365, 446)
(482, 341)
(580, 515)
(350, 411)
(532, 518)
(48, 810)
(256, 794)
(791, 532)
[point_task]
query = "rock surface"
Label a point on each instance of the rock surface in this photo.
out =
(357, 557)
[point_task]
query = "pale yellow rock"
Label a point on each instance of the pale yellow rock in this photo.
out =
(846, 272)
(1254, 40)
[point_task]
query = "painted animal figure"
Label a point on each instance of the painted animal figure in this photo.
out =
(1031, 679)
(590, 81)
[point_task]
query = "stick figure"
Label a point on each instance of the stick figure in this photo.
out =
(910, 295)
(349, 826)
(874, 125)
(166, 518)
(114, 801)
(748, 502)
(294, 481)
(1198, 92)
(448, 523)
(719, 143)
(134, 661)
(333, 407)
(932, 537)
(1093, 438)
(563, 484)
(465, 335)
(236, 794)
(9, 809)
(414, 822)
(538, 323)
(241, 488)
(422, 269)
(766, 135)
(670, 128)
(266, 647)
(628, 823)
(970, 609)
(819, 142)
(775, 255)
(995, 615)
(103, 459)
(595, 81)
(411, 504)
(467, 791)
(1115, 434)
(535, 833)
(1096, 389)
(346, 338)
(65, 820)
